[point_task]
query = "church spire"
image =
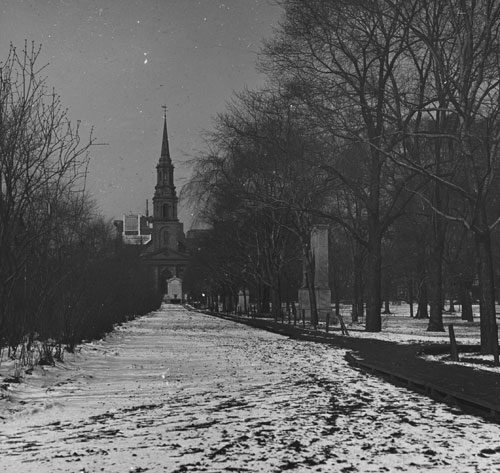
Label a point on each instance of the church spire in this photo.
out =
(165, 198)
(165, 151)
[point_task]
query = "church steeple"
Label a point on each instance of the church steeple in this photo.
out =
(165, 254)
(165, 151)
(165, 198)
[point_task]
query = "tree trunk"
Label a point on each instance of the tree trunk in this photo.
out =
(435, 272)
(226, 302)
(488, 322)
(387, 283)
(436, 277)
(360, 304)
(373, 285)
(358, 299)
(336, 294)
(276, 303)
(466, 300)
(410, 295)
(312, 299)
(258, 305)
(357, 303)
(422, 312)
(265, 301)
(436, 291)
(336, 297)
(374, 257)
(387, 308)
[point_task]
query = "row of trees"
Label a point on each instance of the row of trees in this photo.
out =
(382, 118)
(62, 278)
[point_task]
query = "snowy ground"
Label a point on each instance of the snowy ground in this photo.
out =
(179, 391)
(398, 326)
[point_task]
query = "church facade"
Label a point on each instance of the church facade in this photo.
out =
(165, 252)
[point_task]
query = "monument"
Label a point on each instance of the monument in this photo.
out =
(319, 250)
(174, 290)
(243, 300)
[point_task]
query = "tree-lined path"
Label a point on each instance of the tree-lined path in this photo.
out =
(181, 391)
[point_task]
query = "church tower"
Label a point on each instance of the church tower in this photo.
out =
(167, 230)
(160, 238)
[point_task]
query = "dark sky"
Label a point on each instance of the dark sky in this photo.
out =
(116, 62)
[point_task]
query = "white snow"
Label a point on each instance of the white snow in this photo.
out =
(179, 391)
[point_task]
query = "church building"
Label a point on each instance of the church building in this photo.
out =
(165, 252)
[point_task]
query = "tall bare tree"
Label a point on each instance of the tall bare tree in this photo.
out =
(344, 60)
(257, 177)
(42, 163)
(460, 91)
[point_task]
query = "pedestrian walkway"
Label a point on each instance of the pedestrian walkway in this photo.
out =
(178, 391)
(475, 391)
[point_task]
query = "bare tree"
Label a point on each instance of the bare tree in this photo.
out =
(345, 61)
(42, 163)
(460, 97)
(256, 177)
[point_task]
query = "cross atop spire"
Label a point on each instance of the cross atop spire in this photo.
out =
(165, 152)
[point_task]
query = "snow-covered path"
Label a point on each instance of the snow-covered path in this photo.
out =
(179, 391)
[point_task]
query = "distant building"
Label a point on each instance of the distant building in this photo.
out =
(162, 234)
(135, 229)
